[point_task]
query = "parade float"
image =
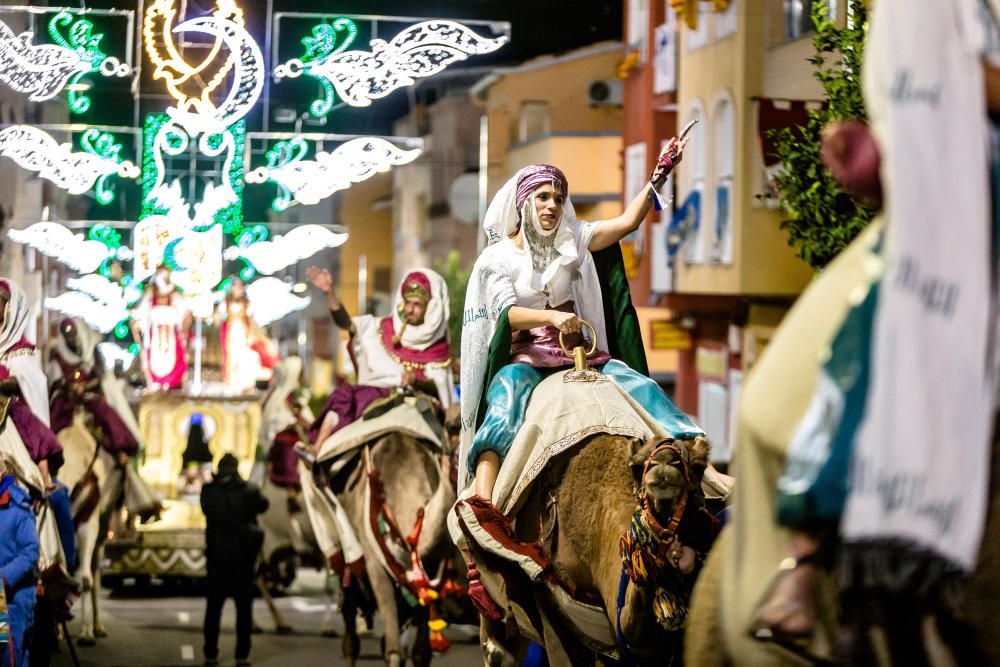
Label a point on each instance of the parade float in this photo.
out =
(184, 291)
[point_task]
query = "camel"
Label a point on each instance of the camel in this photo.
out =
(590, 497)
(410, 476)
(87, 472)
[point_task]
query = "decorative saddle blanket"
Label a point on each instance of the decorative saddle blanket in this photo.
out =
(406, 417)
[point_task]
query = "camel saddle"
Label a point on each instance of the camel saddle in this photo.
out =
(407, 415)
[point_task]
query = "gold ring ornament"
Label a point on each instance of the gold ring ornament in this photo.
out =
(582, 372)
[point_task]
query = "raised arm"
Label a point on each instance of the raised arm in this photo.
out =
(614, 230)
(323, 281)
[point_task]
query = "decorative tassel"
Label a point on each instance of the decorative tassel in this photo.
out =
(439, 643)
(510, 625)
(480, 597)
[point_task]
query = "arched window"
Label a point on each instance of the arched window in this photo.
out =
(724, 141)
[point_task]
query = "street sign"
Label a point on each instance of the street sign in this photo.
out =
(668, 335)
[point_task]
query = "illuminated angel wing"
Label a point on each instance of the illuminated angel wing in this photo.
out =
(99, 302)
(310, 181)
(97, 287)
(98, 315)
(271, 256)
(39, 70)
(75, 172)
(58, 242)
(271, 299)
(419, 51)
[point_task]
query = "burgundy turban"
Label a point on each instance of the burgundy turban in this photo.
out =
(416, 284)
(536, 176)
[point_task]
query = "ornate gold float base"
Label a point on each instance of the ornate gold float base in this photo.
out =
(174, 545)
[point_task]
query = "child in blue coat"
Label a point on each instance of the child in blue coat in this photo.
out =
(18, 559)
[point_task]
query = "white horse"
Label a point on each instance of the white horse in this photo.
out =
(88, 472)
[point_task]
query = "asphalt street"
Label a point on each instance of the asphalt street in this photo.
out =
(154, 628)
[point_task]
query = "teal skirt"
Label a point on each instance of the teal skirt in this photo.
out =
(508, 395)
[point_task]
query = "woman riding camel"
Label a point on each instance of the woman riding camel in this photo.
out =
(542, 276)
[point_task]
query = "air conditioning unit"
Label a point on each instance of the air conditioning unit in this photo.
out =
(606, 93)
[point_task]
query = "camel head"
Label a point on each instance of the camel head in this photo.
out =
(664, 479)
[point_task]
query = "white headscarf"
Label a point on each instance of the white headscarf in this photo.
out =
(16, 316)
(491, 290)
(111, 386)
(277, 413)
(27, 368)
(87, 338)
(435, 324)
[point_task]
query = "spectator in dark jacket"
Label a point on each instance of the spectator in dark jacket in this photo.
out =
(233, 542)
(18, 561)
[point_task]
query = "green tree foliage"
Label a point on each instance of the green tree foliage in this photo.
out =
(821, 219)
(457, 281)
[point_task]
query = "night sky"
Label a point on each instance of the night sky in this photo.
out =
(538, 27)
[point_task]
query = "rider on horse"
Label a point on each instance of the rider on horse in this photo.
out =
(80, 385)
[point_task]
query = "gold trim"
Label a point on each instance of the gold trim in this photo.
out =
(20, 352)
(408, 365)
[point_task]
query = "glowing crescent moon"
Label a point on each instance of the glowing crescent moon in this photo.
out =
(248, 71)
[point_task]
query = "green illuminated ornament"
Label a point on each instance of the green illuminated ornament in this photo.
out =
(106, 235)
(357, 77)
(163, 138)
(322, 45)
(283, 154)
(81, 38)
(252, 235)
(247, 272)
(103, 145)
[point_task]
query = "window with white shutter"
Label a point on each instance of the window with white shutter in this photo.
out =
(534, 120)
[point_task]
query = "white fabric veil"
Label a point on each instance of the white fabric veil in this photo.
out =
(16, 316)
(277, 415)
(490, 291)
(435, 326)
(25, 367)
